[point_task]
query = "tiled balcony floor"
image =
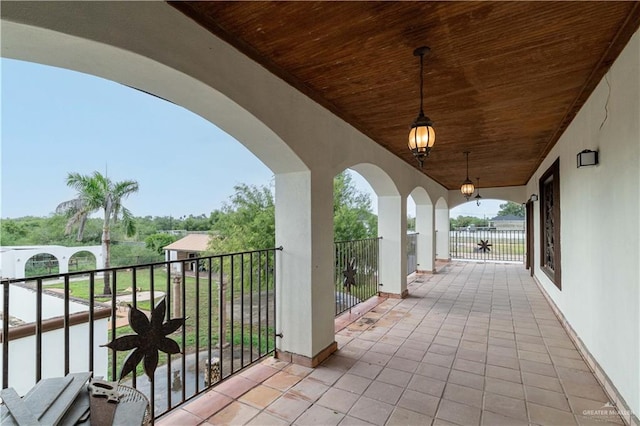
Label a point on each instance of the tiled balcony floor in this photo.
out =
(474, 344)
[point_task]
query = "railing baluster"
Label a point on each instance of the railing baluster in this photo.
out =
(251, 308)
(197, 318)
(134, 303)
(209, 322)
(38, 330)
(221, 316)
(242, 310)
(66, 325)
(114, 357)
(92, 295)
(5, 334)
(168, 300)
(183, 307)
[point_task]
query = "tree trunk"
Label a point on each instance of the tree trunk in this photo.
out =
(106, 242)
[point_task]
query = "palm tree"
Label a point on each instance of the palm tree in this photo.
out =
(97, 192)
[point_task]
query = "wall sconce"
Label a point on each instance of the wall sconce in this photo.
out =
(587, 158)
(422, 135)
(478, 197)
(533, 198)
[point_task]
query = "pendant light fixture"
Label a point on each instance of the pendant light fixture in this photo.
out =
(467, 187)
(422, 135)
(478, 197)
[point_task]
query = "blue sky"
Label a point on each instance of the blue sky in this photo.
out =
(56, 121)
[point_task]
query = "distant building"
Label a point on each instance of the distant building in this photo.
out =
(506, 223)
(189, 247)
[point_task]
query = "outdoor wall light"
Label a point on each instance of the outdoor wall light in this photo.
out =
(467, 187)
(478, 197)
(533, 198)
(422, 136)
(587, 158)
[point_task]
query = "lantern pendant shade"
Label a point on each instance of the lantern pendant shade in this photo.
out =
(467, 189)
(422, 136)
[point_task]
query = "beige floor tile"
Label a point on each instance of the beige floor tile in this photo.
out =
(318, 415)
(288, 407)
(537, 368)
(505, 406)
(403, 364)
(365, 369)
(467, 379)
(338, 399)
(493, 419)
(208, 404)
(503, 387)
(438, 359)
(325, 375)
(404, 417)
(394, 377)
(542, 415)
(235, 386)
(372, 411)
(260, 396)
(352, 383)
(469, 366)
(547, 398)
(266, 419)
(235, 413)
(463, 395)
(540, 381)
(309, 389)
(384, 392)
(353, 421)
(433, 371)
(179, 417)
(419, 402)
(282, 381)
(458, 413)
(427, 385)
(504, 373)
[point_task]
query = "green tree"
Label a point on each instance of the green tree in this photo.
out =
(97, 192)
(353, 218)
(511, 208)
(245, 222)
(156, 242)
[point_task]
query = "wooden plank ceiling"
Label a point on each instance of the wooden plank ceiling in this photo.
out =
(503, 79)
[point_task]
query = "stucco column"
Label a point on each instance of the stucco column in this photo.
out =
(425, 226)
(442, 230)
(305, 292)
(392, 227)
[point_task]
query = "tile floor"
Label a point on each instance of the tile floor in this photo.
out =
(473, 344)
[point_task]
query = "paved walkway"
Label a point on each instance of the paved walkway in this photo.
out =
(474, 344)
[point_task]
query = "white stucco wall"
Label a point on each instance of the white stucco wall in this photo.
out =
(600, 225)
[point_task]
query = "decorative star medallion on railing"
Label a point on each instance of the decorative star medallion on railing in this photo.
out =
(484, 246)
(151, 337)
(349, 276)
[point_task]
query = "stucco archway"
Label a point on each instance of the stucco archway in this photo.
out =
(424, 228)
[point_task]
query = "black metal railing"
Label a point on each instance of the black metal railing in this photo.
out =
(229, 302)
(412, 253)
(361, 256)
(487, 244)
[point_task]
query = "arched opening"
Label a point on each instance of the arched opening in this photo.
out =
(41, 264)
(392, 226)
(82, 261)
(356, 246)
(488, 230)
